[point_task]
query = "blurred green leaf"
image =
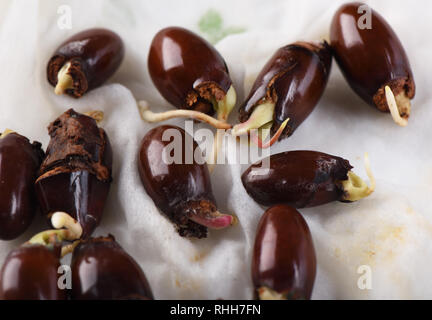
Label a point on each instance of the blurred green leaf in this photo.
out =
(233, 30)
(211, 24)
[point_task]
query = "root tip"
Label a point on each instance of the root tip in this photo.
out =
(143, 105)
(394, 108)
(61, 220)
(216, 222)
(64, 80)
(273, 139)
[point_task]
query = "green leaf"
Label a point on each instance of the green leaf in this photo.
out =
(232, 30)
(211, 22)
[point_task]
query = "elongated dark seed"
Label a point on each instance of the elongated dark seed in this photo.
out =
(187, 70)
(19, 164)
(85, 61)
(102, 270)
(287, 89)
(284, 262)
(181, 189)
(304, 179)
(372, 58)
(31, 273)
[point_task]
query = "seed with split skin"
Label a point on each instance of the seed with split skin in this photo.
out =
(284, 261)
(19, 164)
(102, 270)
(181, 189)
(191, 75)
(85, 61)
(75, 177)
(286, 91)
(373, 60)
(304, 179)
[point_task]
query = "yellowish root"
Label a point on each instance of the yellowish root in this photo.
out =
(96, 114)
(403, 105)
(64, 81)
(61, 220)
(149, 116)
(355, 188)
(6, 132)
(265, 293)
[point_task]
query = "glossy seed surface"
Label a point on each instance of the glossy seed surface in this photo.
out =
(371, 56)
(94, 55)
(102, 270)
(177, 179)
(19, 164)
(187, 70)
(300, 179)
(284, 261)
(31, 273)
(293, 80)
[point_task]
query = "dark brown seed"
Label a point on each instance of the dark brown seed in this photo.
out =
(19, 164)
(31, 273)
(284, 262)
(372, 59)
(85, 61)
(289, 87)
(102, 270)
(189, 72)
(182, 189)
(75, 176)
(304, 179)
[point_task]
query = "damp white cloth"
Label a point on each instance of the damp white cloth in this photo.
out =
(390, 233)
